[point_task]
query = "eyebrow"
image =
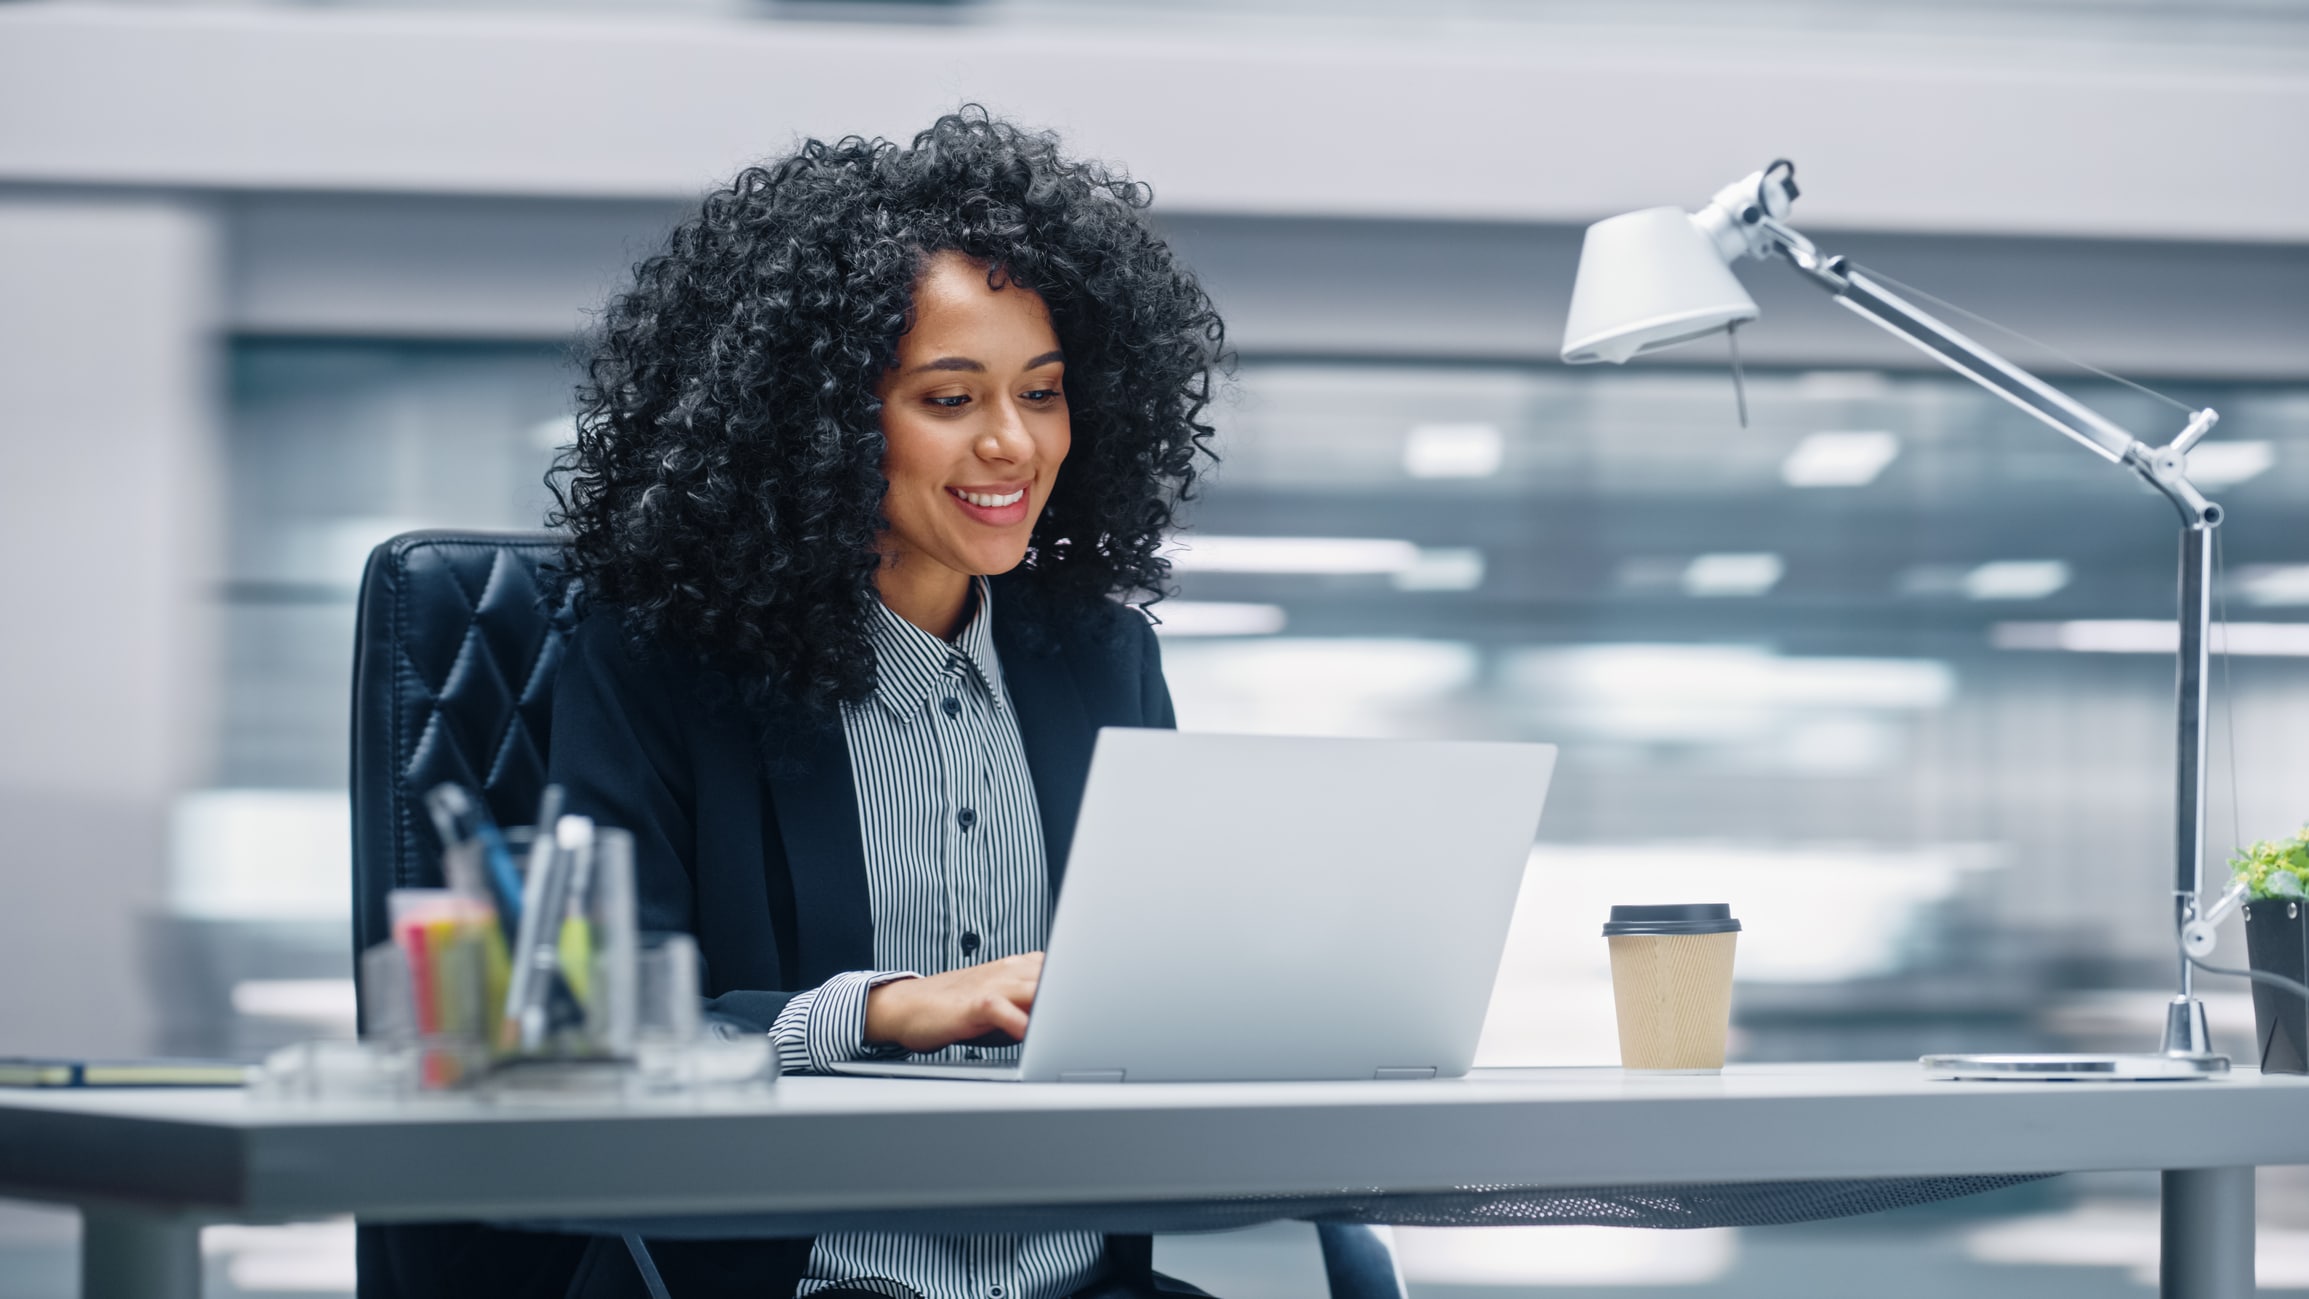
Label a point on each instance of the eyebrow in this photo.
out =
(975, 367)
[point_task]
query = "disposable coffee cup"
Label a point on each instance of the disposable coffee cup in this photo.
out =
(1671, 981)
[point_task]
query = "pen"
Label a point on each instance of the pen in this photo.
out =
(521, 991)
(576, 938)
(540, 1002)
(459, 819)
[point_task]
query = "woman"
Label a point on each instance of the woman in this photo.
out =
(866, 461)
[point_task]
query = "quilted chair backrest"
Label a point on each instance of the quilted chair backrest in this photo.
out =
(453, 669)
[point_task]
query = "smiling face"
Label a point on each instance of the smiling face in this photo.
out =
(974, 416)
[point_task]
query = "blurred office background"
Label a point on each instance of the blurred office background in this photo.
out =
(1888, 668)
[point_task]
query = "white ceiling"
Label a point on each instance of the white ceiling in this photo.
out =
(1434, 118)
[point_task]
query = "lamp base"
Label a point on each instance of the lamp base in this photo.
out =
(2143, 1067)
(2187, 1053)
(2187, 1032)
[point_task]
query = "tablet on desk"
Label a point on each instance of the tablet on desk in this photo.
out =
(1243, 908)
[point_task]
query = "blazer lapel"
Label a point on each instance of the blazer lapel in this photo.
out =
(817, 811)
(1054, 728)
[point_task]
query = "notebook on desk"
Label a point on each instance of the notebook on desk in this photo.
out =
(22, 1071)
(1248, 907)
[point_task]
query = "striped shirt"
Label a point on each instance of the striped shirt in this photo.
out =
(956, 874)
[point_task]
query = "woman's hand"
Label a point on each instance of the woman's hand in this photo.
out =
(934, 1013)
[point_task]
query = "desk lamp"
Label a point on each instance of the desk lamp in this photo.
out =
(1652, 279)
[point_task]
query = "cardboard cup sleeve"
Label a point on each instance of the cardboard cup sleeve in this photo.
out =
(1671, 976)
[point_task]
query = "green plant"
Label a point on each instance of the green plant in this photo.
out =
(2276, 868)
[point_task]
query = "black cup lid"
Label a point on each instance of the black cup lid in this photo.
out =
(1680, 918)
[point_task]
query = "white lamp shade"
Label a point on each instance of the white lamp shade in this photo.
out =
(1649, 280)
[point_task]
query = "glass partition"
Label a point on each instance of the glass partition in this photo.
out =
(1881, 667)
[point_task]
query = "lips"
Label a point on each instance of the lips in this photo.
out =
(998, 507)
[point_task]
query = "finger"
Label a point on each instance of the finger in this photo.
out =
(1008, 1018)
(1021, 991)
(998, 1010)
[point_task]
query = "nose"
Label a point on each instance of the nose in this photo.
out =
(1005, 437)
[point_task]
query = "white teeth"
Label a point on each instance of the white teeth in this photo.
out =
(991, 502)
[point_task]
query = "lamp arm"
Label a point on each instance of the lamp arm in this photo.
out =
(2164, 468)
(1747, 219)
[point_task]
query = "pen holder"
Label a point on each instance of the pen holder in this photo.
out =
(469, 991)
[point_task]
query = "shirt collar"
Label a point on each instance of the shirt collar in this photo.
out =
(911, 664)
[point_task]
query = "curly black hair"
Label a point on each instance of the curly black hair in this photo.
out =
(724, 492)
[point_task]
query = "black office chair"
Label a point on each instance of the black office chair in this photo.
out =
(452, 680)
(455, 653)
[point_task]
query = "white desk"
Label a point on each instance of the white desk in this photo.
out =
(148, 1168)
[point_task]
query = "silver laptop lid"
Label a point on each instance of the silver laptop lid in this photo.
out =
(1244, 907)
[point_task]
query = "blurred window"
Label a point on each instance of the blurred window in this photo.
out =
(1882, 666)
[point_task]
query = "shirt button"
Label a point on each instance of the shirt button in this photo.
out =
(967, 816)
(994, 1292)
(969, 942)
(952, 707)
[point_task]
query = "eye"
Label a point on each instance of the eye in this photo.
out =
(1041, 395)
(949, 403)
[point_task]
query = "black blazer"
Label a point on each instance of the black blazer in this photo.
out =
(751, 841)
(749, 838)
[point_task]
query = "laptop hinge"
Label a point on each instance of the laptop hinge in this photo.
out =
(1403, 1073)
(1090, 1075)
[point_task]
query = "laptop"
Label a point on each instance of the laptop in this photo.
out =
(1254, 907)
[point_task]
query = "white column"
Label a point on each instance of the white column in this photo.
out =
(109, 492)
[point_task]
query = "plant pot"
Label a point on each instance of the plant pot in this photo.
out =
(2277, 941)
